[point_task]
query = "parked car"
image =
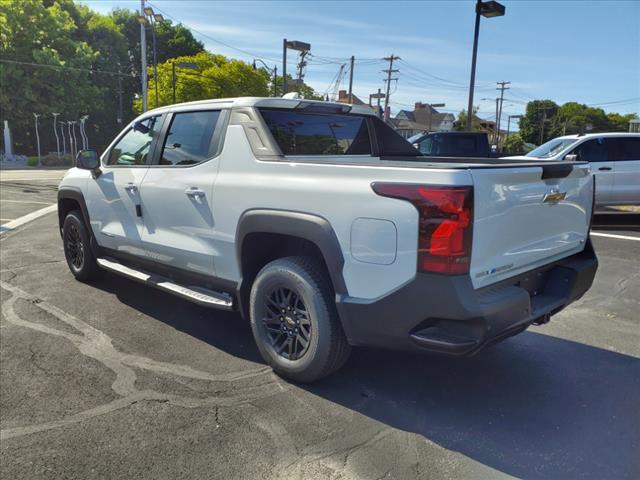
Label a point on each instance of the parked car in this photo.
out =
(320, 224)
(453, 144)
(614, 158)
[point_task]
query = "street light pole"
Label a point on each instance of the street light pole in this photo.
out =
(36, 115)
(55, 132)
(301, 47)
(143, 57)
(486, 9)
(431, 107)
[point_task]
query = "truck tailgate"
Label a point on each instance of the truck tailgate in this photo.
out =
(526, 217)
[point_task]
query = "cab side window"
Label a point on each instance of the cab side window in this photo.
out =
(188, 139)
(134, 147)
(592, 151)
(624, 148)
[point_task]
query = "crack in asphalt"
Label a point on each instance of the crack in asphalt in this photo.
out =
(95, 344)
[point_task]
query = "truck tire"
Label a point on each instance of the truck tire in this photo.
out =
(77, 248)
(294, 320)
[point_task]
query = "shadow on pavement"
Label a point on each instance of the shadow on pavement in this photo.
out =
(534, 406)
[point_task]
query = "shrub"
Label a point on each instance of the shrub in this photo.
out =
(32, 161)
(54, 161)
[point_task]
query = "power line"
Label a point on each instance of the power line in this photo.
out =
(250, 54)
(65, 67)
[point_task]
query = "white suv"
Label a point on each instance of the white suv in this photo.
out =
(614, 158)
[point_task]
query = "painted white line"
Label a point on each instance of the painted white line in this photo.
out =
(25, 201)
(613, 235)
(29, 179)
(29, 217)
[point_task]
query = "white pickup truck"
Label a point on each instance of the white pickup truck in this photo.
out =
(322, 226)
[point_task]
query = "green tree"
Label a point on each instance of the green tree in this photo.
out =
(514, 144)
(35, 34)
(461, 123)
(215, 76)
(620, 123)
(540, 112)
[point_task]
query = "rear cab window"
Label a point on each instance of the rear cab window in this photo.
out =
(298, 133)
(308, 133)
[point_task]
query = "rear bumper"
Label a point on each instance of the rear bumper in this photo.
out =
(444, 314)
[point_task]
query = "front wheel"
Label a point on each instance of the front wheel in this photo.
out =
(77, 249)
(294, 320)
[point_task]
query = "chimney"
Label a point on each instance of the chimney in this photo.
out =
(419, 106)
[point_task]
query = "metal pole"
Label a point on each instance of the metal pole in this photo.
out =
(173, 80)
(75, 139)
(64, 141)
(351, 79)
(36, 115)
(143, 57)
(472, 82)
(379, 95)
(70, 140)
(284, 66)
(55, 132)
(155, 62)
(275, 81)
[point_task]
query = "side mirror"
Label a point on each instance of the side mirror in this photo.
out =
(572, 157)
(87, 160)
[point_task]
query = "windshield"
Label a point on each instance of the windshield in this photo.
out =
(551, 148)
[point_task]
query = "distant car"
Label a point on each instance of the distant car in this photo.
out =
(614, 158)
(452, 144)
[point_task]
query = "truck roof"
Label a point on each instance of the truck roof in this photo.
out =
(604, 134)
(266, 102)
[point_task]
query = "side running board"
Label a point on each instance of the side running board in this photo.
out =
(201, 296)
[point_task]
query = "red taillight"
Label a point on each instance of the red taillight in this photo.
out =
(445, 216)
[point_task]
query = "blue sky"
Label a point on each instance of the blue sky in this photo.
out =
(585, 51)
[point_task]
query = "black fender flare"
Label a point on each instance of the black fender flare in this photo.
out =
(74, 193)
(313, 228)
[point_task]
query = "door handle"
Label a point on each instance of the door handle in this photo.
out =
(130, 187)
(194, 192)
(604, 169)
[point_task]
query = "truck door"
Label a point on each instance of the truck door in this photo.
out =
(596, 152)
(177, 192)
(625, 153)
(113, 198)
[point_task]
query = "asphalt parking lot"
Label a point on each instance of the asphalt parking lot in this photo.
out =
(116, 380)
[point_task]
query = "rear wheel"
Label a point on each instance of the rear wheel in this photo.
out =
(294, 320)
(77, 248)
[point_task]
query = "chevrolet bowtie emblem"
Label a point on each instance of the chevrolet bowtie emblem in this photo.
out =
(554, 196)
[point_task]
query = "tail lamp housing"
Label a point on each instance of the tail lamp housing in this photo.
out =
(445, 224)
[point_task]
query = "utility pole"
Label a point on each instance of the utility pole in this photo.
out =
(143, 58)
(502, 88)
(351, 79)
(284, 66)
(542, 122)
(389, 71)
(495, 133)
